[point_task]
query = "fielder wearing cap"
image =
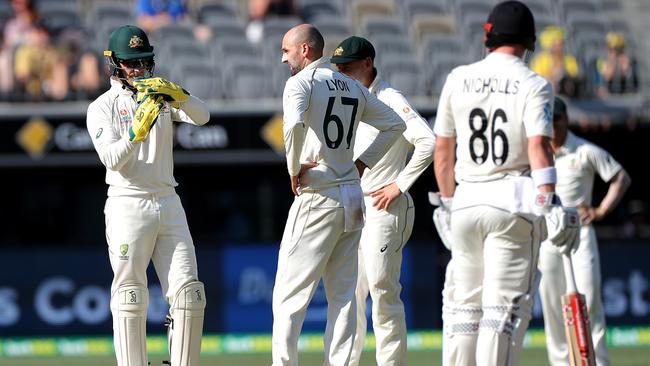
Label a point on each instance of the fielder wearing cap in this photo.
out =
(578, 161)
(389, 207)
(132, 130)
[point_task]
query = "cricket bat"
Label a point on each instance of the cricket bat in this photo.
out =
(576, 321)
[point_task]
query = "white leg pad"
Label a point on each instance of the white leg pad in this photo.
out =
(129, 307)
(186, 327)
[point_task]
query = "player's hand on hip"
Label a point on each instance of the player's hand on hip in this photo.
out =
(562, 223)
(170, 91)
(145, 117)
(385, 196)
(589, 214)
(295, 180)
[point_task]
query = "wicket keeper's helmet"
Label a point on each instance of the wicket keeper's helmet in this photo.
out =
(510, 22)
(129, 42)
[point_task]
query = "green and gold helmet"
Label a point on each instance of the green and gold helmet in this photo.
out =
(129, 42)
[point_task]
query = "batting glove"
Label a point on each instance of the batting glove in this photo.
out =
(145, 117)
(442, 217)
(171, 92)
(562, 223)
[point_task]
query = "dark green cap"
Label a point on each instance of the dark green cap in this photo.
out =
(352, 49)
(129, 42)
(559, 107)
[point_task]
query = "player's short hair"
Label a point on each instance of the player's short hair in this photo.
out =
(315, 39)
(510, 22)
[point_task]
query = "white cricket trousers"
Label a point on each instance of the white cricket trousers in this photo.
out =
(147, 228)
(380, 261)
(494, 277)
(315, 245)
(586, 268)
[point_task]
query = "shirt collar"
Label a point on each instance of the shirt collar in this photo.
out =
(374, 86)
(119, 88)
(504, 57)
(570, 144)
(318, 63)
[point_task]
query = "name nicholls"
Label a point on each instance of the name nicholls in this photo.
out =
(492, 85)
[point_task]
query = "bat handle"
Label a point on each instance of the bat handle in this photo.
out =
(568, 273)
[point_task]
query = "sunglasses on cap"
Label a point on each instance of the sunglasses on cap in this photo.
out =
(141, 63)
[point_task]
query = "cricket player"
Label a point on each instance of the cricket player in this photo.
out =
(322, 110)
(577, 162)
(389, 207)
(131, 129)
(494, 117)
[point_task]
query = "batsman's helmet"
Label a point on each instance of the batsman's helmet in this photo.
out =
(510, 22)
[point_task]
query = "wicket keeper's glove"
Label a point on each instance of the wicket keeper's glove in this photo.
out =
(562, 223)
(171, 92)
(145, 117)
(442, 217)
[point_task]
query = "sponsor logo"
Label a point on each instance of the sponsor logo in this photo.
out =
(383, 249)
(199, 297)
(99, 132)
(132, 297)
(406, 110)
(124, 248)
(123, 112)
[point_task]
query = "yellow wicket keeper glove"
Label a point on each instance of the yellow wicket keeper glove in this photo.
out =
(171, 92)
(145, 117)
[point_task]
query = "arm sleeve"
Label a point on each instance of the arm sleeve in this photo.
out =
(193, 111)
(294, 104)
(538, 112)
(417, 134)
(389, 124)
(113, 150)
(444, 125)
(603, 162)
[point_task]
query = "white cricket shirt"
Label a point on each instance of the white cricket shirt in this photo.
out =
(392, 166)
(492, 106)
(322, 109)
(140, 167)
(577, 163)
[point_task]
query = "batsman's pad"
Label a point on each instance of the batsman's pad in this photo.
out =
(186, 325)
(129, 307)
(170, 91)
(145, 117)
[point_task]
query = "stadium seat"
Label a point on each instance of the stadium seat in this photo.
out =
(395, 44)
(379, 26)
(214, 13)
(228, 27)
(421, 27)
(106, 11)
(404, 74)
(224, 49)
(436, 44)
(312, 9)
(332, 26)
(360, 9)
(276, 27)
(247, 78)
(414, 8)
(174, 31)
(201, 78)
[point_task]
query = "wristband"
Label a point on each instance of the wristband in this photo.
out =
(543, 176)
(547, 199)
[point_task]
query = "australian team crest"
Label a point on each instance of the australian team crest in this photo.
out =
(124, 249)
(136, 42)
(338, 51)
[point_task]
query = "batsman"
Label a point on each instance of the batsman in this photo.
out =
(131, 129)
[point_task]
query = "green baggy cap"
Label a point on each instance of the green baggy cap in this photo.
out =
(352, 49)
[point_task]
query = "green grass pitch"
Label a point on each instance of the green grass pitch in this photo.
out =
(530, 357)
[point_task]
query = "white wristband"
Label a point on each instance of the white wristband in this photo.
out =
(543, 176)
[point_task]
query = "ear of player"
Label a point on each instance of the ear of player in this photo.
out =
(171, 92)
(145, 117)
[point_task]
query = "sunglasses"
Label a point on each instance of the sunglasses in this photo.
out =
(143, 63)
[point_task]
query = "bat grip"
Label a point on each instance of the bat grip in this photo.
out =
(568, 273)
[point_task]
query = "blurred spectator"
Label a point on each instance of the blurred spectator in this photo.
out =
(15, 33)
(154, 14)
(86, 81)
(553, 63)
(616, 72)
(40, 71)
(258, 10)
